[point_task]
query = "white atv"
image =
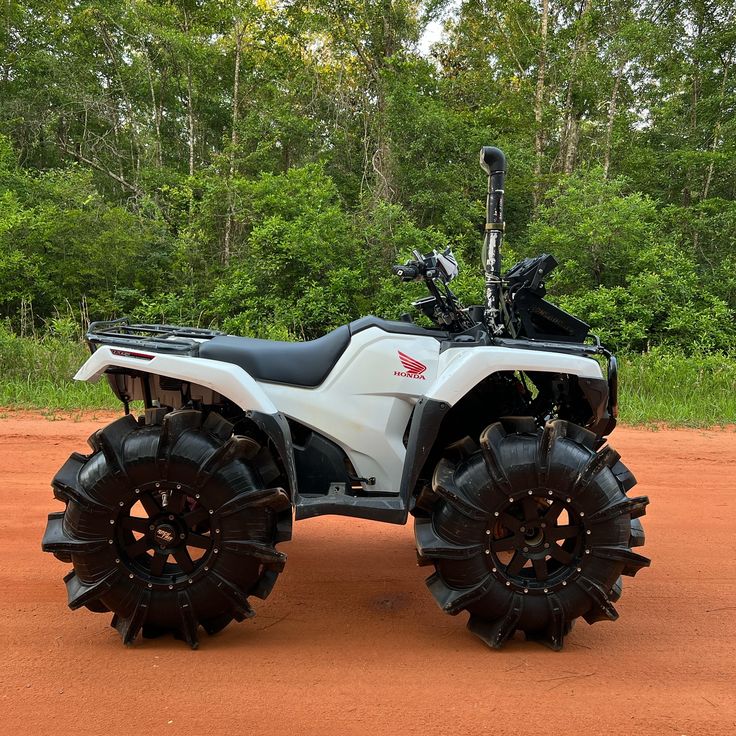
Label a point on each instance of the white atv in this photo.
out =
(488, 428)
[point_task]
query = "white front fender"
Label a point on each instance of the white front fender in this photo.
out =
(460, 369)
(226, 379)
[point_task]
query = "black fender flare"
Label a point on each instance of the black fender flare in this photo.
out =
(277, 429)
(600, 394)
(423, 431)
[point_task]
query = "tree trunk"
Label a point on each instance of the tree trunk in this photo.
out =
(381, 160)
(155, 113)
(611, 119)
(687, 194)
(570, 127)
(539, 103)
(191, 140)
(190, 119)
(233, 142)
(717, 130)
(571, 147)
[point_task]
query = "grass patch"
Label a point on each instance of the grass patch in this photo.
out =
(694, 391)
(37, 374)
(655, 388)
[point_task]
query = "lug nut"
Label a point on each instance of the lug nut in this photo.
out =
(495, 513)
(151, 527)
(526, 549)
(182, 536)
(531, 493)
(546, 545)
(171, 517)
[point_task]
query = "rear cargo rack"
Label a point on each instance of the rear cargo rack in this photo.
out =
(157, 338)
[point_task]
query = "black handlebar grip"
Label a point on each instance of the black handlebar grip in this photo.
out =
(407, 272)
(492, 159)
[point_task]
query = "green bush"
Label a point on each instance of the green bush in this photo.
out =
(695, 390)
(37, 373)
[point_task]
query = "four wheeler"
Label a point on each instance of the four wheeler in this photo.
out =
(489, 428)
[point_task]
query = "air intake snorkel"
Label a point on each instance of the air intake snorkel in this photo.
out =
(493, 162)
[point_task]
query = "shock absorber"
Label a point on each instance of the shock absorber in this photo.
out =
(493, 162)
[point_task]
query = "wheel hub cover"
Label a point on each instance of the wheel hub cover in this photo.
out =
(165, 535)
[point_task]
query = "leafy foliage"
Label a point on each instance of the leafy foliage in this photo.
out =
(259, 166)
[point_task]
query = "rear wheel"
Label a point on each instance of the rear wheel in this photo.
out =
(169, 525)
(531, 532)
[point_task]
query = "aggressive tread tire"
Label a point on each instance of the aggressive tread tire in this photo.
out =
(531, 532)
(169, 525)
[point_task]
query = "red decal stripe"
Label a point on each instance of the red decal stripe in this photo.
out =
(130, 354)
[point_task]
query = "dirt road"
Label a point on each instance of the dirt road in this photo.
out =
(351, 642)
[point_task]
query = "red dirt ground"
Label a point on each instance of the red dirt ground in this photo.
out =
(350, 641)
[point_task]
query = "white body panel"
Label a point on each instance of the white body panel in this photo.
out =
(462, 368)
(363, 406)
(224, 378)
(365, 403)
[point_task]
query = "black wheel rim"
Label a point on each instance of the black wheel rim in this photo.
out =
(536, 541)
(166, 534)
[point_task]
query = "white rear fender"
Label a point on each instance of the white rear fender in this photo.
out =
(460, 369)
(226, 379)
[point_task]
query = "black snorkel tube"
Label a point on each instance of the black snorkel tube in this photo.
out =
(493, 162)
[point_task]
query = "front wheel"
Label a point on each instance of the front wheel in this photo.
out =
(169, 525)
(531, 532)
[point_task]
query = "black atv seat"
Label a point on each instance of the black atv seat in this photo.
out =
(295, 363)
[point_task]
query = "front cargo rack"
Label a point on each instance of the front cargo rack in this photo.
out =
(157, 338)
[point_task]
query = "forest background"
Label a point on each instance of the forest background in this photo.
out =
(258, 167)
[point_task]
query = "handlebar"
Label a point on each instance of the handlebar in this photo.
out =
(409, 271)
(436, 270)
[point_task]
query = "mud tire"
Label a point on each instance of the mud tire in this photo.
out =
(489, 517)
(194, 561)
